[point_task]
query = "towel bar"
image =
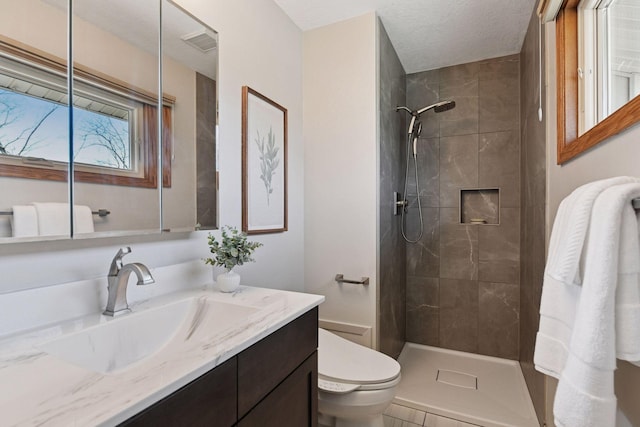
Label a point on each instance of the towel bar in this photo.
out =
(100, 212)
(340, 279)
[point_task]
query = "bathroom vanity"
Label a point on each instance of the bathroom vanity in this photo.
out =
(191, 357)
(273, 383)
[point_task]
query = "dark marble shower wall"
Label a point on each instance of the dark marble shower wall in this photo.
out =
(463, 280)
(206, 197)
(532, 233)
(391, 303)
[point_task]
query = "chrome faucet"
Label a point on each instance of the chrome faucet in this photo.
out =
(118, 280)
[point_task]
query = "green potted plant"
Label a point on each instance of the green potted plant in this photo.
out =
(234, 249)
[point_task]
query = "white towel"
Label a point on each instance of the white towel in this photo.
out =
(563, 274)
(628, 288)
(53, 219)
(586, 323)
(24, 221)
(83, 220)
(570, 229)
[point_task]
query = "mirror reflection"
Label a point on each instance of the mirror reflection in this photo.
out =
(122, 126)
(189, 74)
(34, 121)
(116, 100)
(115, 117)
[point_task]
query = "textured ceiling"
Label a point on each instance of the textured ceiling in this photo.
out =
(429, 34)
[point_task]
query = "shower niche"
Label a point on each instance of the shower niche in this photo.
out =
(480, 206)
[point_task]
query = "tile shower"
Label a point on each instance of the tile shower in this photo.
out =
(462, 280)
(392, 129)
(462, 285)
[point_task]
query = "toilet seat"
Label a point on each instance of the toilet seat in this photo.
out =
(333, 386)
(344, 366)
(336, 387)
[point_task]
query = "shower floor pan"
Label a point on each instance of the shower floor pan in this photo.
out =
(481, 390)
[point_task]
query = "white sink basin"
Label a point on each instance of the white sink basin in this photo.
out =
(117, 343)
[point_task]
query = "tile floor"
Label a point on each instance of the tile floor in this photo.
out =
(402, 416)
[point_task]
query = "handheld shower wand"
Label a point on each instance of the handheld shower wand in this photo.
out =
(415, 128)
(416, 135)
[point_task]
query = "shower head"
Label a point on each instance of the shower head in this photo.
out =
(438, 107)
(445, 106)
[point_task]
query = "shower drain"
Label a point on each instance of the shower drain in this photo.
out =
(457, 379)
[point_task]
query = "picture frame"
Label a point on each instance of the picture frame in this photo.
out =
(264, 164)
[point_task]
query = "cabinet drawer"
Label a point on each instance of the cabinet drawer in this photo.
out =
(207, 401)
(293, 403)
(267, 363)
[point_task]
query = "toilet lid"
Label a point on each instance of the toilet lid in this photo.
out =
(347, 362)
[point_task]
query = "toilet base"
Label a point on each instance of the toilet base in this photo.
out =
(329, 421)
(360, 408)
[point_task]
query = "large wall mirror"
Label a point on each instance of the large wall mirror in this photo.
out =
(598, 72)
(189, 70)
(140, 137)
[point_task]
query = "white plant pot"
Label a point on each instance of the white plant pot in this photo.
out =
(229, 281)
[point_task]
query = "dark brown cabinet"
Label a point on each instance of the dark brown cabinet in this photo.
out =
(271, 383)
(210, 400)
(294, 403)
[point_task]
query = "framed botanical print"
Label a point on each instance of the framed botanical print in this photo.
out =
(264, 164)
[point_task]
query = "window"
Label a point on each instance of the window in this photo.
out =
(623, 21)
(33, 126)
(597, 69)
(104, 140)
(115, 127)
(608, 58)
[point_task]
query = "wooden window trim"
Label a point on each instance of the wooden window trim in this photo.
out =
(569, 143)
(148, 162)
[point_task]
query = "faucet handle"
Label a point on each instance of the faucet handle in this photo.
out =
(116, 264)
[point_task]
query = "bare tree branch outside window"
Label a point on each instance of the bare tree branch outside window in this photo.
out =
(28, 127)
(22, 142)
(109, 135)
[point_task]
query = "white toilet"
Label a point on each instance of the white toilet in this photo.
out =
(355, 383)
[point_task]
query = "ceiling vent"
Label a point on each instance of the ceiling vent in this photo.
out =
(203, 40)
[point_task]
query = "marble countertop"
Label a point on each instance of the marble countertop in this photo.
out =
(37, 388)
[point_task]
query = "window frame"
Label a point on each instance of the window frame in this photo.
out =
(147, 176)
(570, 144)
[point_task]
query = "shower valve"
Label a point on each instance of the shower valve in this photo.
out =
(399, 203)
